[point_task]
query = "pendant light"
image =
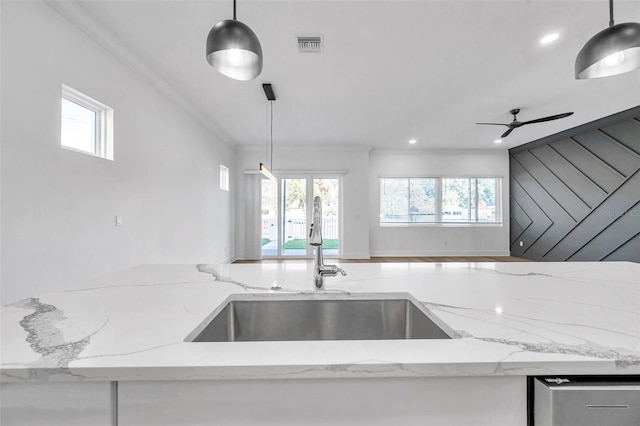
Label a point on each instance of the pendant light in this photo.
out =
(268, 91)
(234, 49)
(614, 50)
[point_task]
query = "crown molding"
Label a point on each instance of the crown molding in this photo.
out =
(615, 118)
(308, 147)
(439, 151)
(82, 19)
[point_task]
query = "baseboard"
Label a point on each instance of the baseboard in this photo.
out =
(429, 253)
(539, 258)
(356, 256)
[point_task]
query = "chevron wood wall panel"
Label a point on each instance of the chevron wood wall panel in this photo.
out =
(576, 195)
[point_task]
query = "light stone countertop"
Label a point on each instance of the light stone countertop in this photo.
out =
(525, 318)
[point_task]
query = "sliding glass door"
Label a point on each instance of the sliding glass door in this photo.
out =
(269, 218)
(329, 192)
(287, 215)
(294, 217)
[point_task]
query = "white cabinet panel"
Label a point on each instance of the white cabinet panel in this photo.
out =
(58, 404)
(442, 401)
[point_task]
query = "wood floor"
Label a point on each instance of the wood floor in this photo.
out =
(400, 259)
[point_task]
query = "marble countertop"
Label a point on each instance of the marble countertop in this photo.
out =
(508, 319)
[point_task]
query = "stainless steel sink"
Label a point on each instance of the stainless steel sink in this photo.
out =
(288, 318)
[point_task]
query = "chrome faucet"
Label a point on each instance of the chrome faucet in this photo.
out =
(315, 239)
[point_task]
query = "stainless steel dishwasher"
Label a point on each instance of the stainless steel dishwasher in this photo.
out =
(584, 401)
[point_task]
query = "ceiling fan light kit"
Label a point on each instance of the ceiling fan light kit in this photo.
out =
(614, 50)
(234, 49)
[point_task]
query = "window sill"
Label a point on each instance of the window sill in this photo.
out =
(442, 225)
(89, 153)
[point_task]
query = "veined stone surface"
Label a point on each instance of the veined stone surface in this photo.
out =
(508, 319)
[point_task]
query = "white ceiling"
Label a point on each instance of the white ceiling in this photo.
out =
(390, 70)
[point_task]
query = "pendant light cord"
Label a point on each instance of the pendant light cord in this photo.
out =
(269, 145)
(610, 13)
(271, 138)
(266, 133)
(234, 10)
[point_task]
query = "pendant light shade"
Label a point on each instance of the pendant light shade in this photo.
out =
(234, 49)
(267, 173)
(614, 50)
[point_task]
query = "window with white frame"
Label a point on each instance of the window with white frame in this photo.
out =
(86, 125)
(440, 200)
(224, 178)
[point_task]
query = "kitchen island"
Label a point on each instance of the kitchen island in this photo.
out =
(120, 343)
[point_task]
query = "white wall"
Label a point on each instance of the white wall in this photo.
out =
(438, 240)
(363, 236)
(58, 206)
(355, 198)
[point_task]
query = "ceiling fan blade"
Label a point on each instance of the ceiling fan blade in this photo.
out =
(552, 117)
(495, 124)
(505, 134)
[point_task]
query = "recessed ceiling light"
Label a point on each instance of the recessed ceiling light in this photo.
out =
(549, 38)
(498, 141)
(412, 141)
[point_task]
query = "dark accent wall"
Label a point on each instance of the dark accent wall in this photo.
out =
(576, 195)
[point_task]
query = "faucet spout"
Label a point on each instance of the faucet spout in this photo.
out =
(315, 234)
(315, 239)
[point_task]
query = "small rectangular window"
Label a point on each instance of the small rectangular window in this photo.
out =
(224, 178)
(86, 125)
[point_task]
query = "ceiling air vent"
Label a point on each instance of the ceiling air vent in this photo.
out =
(310, 44)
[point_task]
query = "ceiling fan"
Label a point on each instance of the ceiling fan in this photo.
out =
(515, 123)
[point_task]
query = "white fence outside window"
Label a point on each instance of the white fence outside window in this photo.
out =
(297, 229)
